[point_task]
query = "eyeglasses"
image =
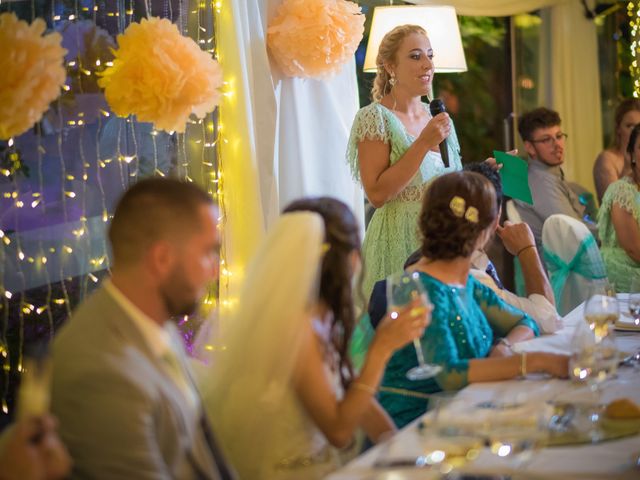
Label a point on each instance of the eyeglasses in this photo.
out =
(548, 140)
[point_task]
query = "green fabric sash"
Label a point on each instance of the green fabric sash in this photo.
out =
(586, 262)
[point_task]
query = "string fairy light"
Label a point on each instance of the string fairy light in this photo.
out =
(87, 176)
(633, 11)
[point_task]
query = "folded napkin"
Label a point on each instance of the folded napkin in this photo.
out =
(491, 414)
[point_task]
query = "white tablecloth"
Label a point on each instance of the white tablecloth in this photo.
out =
(612, 459)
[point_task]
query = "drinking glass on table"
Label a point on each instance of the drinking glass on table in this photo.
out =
(592, 360)
(402, 289)
(601, 312)
(634, 298)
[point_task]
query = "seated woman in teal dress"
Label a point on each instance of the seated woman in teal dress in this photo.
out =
(472, 329)
(619, 222)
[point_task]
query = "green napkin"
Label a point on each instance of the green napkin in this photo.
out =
(515, 176)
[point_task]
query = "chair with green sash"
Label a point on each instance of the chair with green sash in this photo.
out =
(573, 260)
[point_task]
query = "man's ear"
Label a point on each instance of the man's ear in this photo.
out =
(160, 258)
(530, 149)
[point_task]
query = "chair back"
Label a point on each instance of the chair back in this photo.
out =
(572, 259)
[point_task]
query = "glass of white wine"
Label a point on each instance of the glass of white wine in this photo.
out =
(601, 313)
(402, 289)
(634, 299)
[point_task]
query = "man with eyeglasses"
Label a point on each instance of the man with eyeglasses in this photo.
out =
(544, 143)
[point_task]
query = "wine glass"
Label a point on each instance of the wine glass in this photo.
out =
(634, 299)
(402, 289)
(601, 312)
(592, 360)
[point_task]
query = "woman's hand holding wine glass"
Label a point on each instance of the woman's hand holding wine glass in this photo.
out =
(402, 326)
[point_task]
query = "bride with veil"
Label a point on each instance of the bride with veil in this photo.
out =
(282, 395)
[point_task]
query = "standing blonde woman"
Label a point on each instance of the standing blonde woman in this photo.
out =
(393, 151)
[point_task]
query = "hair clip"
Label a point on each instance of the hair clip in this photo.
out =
(471, 214)
(459, 208)
(325, 247)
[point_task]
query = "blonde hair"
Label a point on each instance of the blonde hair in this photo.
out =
(387, 55)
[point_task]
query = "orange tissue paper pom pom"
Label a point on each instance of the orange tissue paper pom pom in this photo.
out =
(314, 38)
(32, 73)
(161, 76)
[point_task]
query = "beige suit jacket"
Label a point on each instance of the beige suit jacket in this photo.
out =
(121, 415)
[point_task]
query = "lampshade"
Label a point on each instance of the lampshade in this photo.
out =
(440, 23)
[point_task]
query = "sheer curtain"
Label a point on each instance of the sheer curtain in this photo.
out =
(573, 79)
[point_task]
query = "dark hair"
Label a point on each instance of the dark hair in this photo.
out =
(539, 118)
(624, 107)
(445, 235)
(633, 137)
(342, 233)
(153, 209)
(491, 174)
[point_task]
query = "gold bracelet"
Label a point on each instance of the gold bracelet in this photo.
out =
(364, 387)
(523, 249)
(523, 364)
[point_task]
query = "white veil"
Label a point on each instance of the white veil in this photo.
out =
(243, 394)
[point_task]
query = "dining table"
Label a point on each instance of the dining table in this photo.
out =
(595, 456)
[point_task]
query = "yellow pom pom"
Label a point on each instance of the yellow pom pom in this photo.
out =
(314, 38)
(33, 73)
(161, 76)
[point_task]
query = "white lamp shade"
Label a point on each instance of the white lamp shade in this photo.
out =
(440, 23)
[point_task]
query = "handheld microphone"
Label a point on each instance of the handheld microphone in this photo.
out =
(435, 107)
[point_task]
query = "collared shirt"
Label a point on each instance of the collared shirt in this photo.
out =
(551, 195)
(535, 305)
(158, 340)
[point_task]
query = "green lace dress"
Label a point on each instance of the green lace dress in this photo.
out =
(464, 322)
(620, 267)
(392, 233)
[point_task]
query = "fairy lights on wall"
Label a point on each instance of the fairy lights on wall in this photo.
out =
(82, 157)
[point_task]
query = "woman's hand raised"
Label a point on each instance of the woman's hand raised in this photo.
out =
(400, 327)
(434, 132)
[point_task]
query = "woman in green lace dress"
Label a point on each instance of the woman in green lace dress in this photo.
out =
(619, 222)
(472, 329)
(393, 152)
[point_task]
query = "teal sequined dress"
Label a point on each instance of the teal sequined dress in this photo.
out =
(392, 233)
(620, 267)
(464, 323)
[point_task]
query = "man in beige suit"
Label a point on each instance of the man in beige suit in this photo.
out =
(121, 385)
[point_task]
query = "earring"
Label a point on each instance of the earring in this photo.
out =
(392, 80)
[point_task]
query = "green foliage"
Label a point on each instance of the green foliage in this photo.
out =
(483, 92)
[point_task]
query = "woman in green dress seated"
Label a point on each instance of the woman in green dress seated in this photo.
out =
(619, 222)
(472, 329)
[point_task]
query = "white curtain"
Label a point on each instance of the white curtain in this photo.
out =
(299, 127)
(314, 121)
(572, 83)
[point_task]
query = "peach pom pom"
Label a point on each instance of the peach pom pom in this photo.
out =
(32, 75)
(161, 76)
(314, 38)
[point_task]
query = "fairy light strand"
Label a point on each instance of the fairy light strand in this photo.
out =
(633, 11)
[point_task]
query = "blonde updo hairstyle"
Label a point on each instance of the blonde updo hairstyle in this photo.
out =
(387, 56)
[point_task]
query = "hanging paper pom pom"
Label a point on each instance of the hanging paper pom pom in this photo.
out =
(31, 73)
(161, 76)
(314, 38)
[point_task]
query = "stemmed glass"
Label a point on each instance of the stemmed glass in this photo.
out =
(402, 289)
(601, 312)
(634, 299)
